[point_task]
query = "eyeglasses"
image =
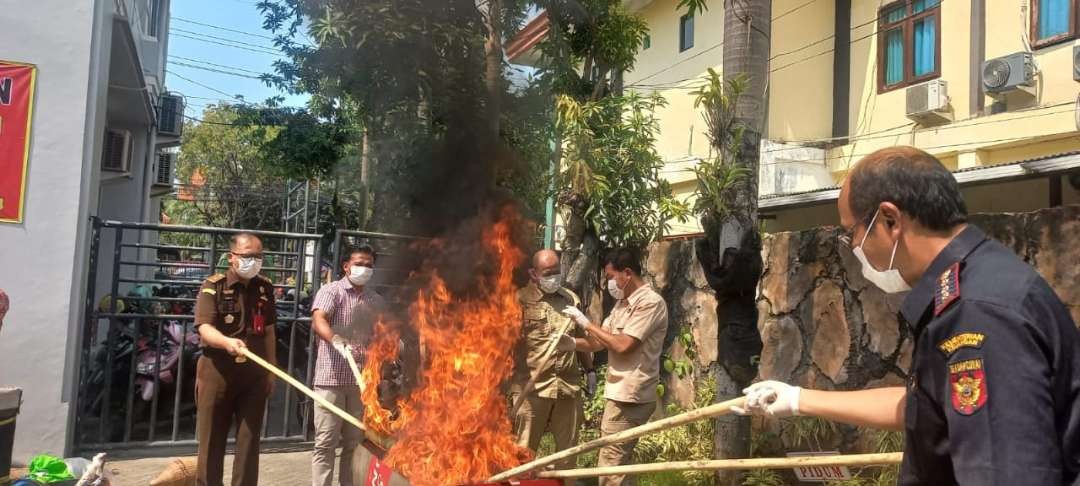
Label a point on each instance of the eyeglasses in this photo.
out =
(257, 256)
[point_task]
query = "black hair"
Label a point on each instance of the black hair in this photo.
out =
(352, 250)
(915, 181)
(622, 258)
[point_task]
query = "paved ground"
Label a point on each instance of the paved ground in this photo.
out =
(277, 467)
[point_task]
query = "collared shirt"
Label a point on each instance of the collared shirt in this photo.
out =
(542, 319)
(236, 309)
(633, 376)
(994, 391)
(352, 314)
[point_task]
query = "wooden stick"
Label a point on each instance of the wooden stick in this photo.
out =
(549, 354)
(304, 389)
(355, 371)
(724, 464)
(714, 410)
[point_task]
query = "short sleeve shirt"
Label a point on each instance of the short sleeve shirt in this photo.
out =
(632, 377)
(994, 391)
(542, 320)
(352, 314)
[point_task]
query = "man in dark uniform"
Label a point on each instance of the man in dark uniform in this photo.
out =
(234, 311)
(993, 395)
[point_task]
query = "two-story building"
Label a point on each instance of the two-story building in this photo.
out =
(989, 87)
(101, 119)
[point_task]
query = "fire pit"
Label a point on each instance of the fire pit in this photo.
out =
(369, 470)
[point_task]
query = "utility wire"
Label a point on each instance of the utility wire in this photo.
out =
(226, 29)
(260, 51)
(225, 39)
(211, 88)
(214, 70)
(208, 63)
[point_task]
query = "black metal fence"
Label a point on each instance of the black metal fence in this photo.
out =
(137, 373)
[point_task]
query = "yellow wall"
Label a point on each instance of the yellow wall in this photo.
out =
(1042, 126)
(800, 84)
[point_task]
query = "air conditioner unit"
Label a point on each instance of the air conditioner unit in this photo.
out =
(1076, 63)
(165, 163)
(171, 115)
(1009, 74)
(116, 151)
(928, 103)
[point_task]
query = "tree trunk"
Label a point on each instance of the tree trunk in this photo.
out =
(493, 63)
(734, 240)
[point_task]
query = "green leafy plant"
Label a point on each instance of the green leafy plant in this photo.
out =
(763, 477)
(693, 441)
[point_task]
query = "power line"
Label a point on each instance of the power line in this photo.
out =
(260, 51)
(225, 39)
(226, 29)
(211, 88)
(214, 70)
(789, 12)
(208, 63)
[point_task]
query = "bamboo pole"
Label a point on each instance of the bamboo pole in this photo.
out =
(714, 410)
(303, 389)
(549, 354)
(355, 371)
(726, 464)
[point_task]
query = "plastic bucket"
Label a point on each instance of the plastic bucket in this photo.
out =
(10, 399)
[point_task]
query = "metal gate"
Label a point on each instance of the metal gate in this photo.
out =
(392, 267)
(136, 380)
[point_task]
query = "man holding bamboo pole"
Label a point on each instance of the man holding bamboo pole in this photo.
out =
(343, 316)
(994, 390)
(234, 313)
(633, 335)
(546, 387)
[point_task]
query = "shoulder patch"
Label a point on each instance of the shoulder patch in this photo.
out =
(962, 340)
(967, 383)
(215, 278)
(209, 290)
(948, 289)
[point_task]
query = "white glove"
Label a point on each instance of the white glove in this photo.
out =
(566, 343)
(576, 315)
(772, 398)
(341, 346)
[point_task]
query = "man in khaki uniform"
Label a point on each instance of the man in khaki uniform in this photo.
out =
(634, 336)
(234, 311)
(552, 403)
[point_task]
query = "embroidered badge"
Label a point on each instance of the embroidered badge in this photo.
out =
(229, 318)
(209, 291)
(967, 380)
(948, 288)
(962, 340)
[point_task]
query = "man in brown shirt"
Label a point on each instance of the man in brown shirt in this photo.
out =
(553, 402)
(234, 311)
(634, 336)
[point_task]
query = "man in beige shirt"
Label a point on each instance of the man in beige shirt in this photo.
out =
(547, 381)
(634, 337)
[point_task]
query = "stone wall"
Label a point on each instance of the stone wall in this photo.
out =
(823, 325)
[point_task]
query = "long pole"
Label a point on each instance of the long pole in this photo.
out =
(549, 354)
(715, 410)
(729, 464)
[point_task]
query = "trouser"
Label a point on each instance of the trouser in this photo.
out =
(560, 416)
(226, 391)
(330, 430)
(620, 416)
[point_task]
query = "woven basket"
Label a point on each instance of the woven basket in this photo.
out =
(179, 472)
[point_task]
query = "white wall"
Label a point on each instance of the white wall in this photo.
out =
(42, 262)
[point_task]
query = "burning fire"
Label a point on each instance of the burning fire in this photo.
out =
(454, 427)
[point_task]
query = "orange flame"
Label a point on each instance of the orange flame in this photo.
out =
(454, 428)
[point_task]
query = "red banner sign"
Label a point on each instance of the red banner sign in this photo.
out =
(16, 110)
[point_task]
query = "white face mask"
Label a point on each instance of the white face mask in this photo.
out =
(550, 284)
(247, 268)
(614, 290)
(360, 275)
(888, 280)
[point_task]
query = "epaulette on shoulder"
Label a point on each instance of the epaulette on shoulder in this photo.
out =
(948, 289)
(215, 278)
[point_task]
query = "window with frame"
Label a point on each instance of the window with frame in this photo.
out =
(909, 44)
(646, 42)
(686, 32)
(153, 15)
(1053, 21)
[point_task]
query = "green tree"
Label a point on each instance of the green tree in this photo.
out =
(220, 166)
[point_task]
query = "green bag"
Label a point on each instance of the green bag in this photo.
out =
(48, 469)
